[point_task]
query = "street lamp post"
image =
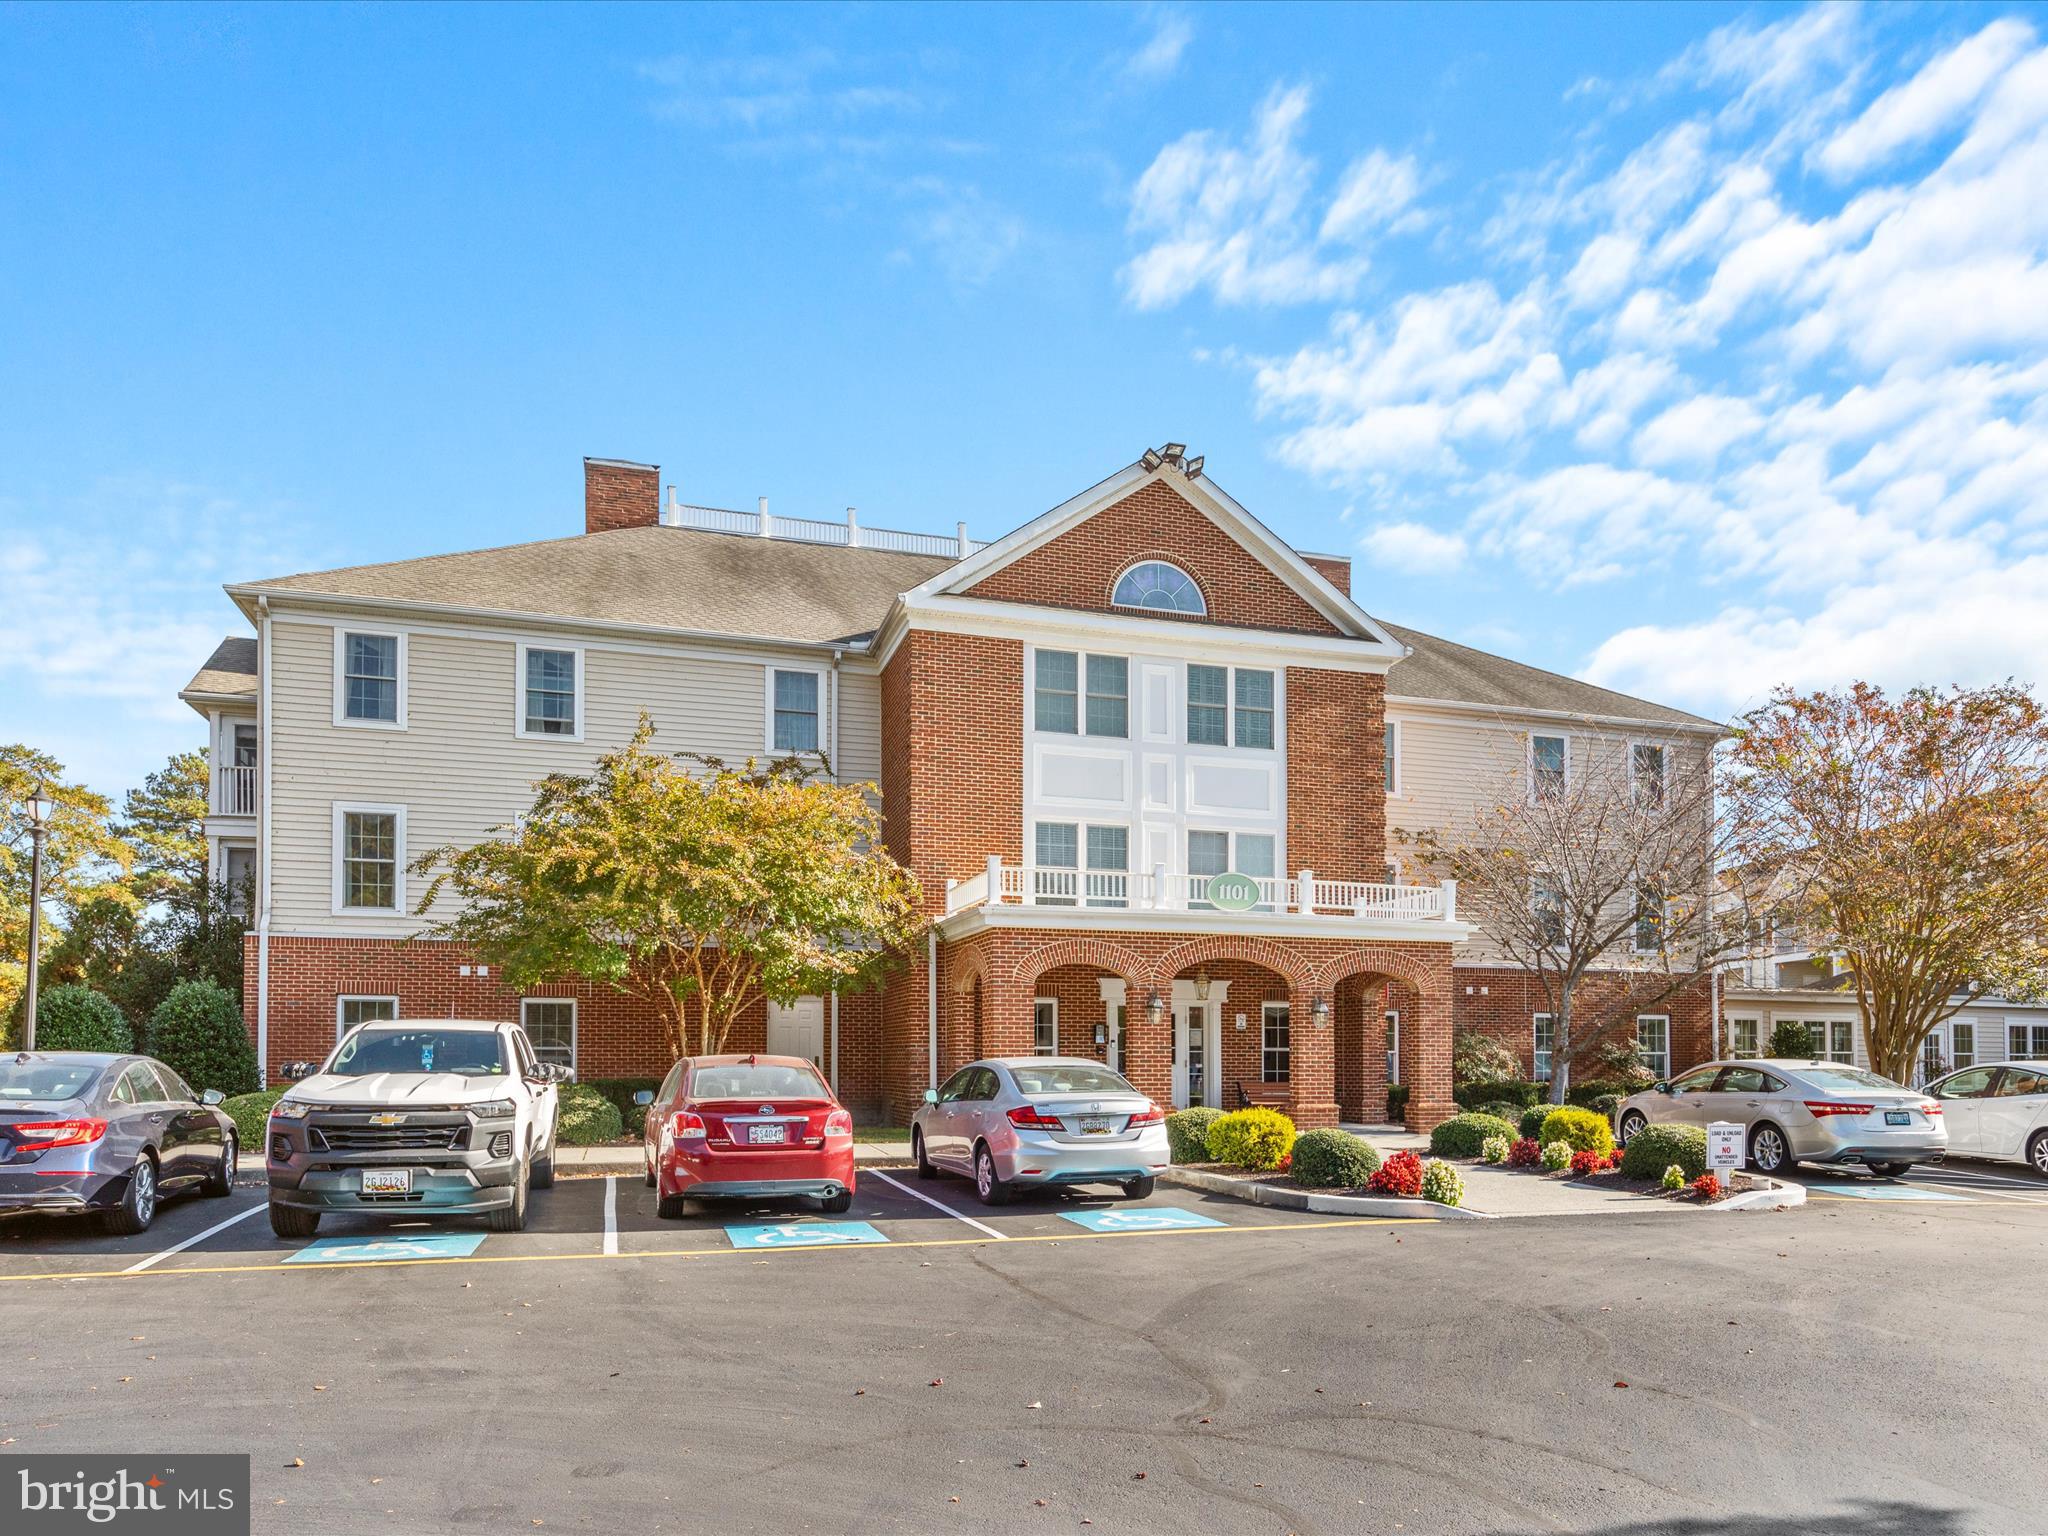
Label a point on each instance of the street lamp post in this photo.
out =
(38, 815)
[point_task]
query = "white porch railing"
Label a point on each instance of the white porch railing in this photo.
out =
(1161, 889)
(852, 533)
(234, 791)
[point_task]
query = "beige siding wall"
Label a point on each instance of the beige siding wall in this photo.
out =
(459, 768)
(860, 726)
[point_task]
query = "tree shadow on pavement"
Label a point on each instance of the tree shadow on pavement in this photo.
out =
(1862, 1517)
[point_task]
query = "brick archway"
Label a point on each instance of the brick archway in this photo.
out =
(1100, 953)
(1395, 967)
(1277, 958)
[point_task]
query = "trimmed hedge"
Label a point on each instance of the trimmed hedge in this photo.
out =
(197, 1032)
(1585, 1130)
(1259, 1139)
(1584, 1094)
(1187, 1133)
(1532, 1118)
(76, 1018)
(589, 1119)
(1519, 1093)
(1500, 1110)
(1333, 1160)
(620, 1091)
(251, 1114)
(1464, 1135)
(1657, 1147)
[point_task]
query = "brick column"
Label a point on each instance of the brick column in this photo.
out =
(1148, 1047)
(1311, 1063)
(1426, 1052)
(1005, 1019)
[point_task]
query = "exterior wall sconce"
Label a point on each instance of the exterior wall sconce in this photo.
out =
(1319, 1011)
(1155, 1008)
(1202, 986)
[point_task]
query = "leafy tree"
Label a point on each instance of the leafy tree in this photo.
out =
(197, 1031)
(75, 1018)
(1910, 836)
(1791, 1039)
(1479, 1058)
(702, 892)
(165, 823)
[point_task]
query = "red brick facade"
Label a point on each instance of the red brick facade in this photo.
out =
(1504, 1003)
(1336, 773)
(619, 495)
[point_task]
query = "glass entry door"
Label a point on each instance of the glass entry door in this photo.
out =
(1190, 1056)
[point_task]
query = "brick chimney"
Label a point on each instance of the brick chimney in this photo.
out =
(617, 493)
(1335, 569)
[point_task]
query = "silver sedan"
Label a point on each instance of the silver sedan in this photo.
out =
(1799, 1112)
(1036, 1120)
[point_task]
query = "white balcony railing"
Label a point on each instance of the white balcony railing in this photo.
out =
(234, 791)
(1164, 890)
(852, 533)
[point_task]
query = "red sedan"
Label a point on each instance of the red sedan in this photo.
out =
(747, 1128)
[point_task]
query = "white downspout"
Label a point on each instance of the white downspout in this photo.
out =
(835, 1040)
(838, 777)
(931, 1004)
(264, 779)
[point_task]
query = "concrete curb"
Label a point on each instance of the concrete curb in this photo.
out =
(1776, 1197)
(1328, 1205)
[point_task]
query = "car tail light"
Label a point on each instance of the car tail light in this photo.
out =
(839, 1123)
(41, 1135)
(1928, 1109)
(684, 1125)
(1151, 1114)
(1029, 1117)
(1820, 1109)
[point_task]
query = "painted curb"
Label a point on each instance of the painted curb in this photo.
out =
(1778, 1197)
(1327, 1205)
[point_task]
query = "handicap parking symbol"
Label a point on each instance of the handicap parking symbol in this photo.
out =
(391, 1248)
(803, 1234)
(1885, 1192)
(1163, 1218)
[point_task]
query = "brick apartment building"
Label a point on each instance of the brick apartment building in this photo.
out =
(1143, 757)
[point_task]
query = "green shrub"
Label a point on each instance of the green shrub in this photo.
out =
(1656, 1147)
(75, 1018)
(1494, 1150)
(1500, 1110)
(1518, 1092)
(589, 1119)
(1586, 1131)
(1333, 1160)
(1440, 1182)
(1463, 1135)
(1557, 1156)
(197, 1032)
(1531, 1121)
(1791, 1039)
(1480, 1058)
(251, 1114)
(1673, 1179)
(1257, 1138)
(1608, 1104)
(620, 1091)
(1187, 1133)
(1584, 1094)
(1397, 1103)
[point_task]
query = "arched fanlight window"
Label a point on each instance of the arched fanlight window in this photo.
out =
(1155, 584)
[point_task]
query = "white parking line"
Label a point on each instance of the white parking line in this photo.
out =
(222, 1226)
(876, 1173)
(611, 1213)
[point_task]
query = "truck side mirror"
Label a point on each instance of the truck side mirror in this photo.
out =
(296, 1071)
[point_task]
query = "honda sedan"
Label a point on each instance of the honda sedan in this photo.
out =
(1800, 1112)
(1034, 1120)
(1998, 1112)
(81, 1131)
(746, 1128)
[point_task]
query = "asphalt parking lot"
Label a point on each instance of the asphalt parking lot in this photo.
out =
(1810, 1370)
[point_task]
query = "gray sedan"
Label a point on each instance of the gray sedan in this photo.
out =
(1035, 1120)
(1799, 1112)
(81, 1131)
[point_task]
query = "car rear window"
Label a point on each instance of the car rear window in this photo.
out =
(1847, 1079)
(1076, 1077)
(759, 1080)
(45, 1079)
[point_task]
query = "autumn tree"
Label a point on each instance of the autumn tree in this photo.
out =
(699, 887)
(1909, 837)
(1606, 864)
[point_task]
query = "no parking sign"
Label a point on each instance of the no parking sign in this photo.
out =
(1724, 1147)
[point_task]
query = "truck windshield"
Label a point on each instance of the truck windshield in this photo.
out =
(465, 1052)
(45, 1079)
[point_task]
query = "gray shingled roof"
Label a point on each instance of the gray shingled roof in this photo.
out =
(230, 669)
(676, 578)
(1440, 669)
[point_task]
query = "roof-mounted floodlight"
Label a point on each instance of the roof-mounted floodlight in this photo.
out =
(1152, 460)
(1194, 467)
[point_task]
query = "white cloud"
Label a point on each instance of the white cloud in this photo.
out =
(968, 236)
(1932, 101)
(1414, 548)
(1696, 431)
(1161, 54)
(1377, 192)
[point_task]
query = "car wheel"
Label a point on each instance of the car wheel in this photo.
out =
(837, 1205)
(1889, 1170)
(925, 1168)
(138, 1201)
(221, 1181)
(1632, 1124)
(512, 1218)
(648, 1170)
(988, 1184)
(672, 1207)
(286, 1222)
(2037, 1153)
(544, 1169)
(1138, 1189)
(1768, 1152)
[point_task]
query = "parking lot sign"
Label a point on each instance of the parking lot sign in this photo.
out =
(1725, 1152)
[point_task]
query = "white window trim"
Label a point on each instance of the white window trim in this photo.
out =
(1054, 1004)
(360, 997)
(1529, 762)
(1664, 779)
(1393, 785)
(1664, 1073)
(1635, 927)
(1172, 565)
(1266, 1011)
(363, 807)
(768, 719)
(1081, 655)
(575, 1020)
(341, 634)
(1230, 743)
(1756, 1025)
(1536, 1046)
(519, 726)
(1393, 1023)
(1543, 876)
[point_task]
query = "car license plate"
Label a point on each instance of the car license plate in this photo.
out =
(1097, 1125)
(387, 1181)
(764, 1135)
(1897, 1117)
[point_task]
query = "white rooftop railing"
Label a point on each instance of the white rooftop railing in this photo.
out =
(850, 534)
(1160, 889)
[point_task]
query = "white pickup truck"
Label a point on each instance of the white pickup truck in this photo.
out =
(414, 1118)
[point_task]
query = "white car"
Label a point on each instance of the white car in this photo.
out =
(1029, 1121)
(414, 1118)
(1998, 1111)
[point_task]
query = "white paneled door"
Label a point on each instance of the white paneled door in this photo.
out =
(798, 1030)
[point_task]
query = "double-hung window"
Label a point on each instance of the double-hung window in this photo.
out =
(1062, 880)
(1646, 771)
(1393, 1046)
(1252, 726)
(369, 678)
(1546, 904)
(550, 692)
(1215, 853)
(1742, 1035)
(351, 1011)
(1545, 1046)
(1062, 680)
(550, 1023)
(1230, 706)
(369, 858)
(1274, 1049)
(2026, 1042)
(1832, 1039)
(1208, 706)
(1045, 1026)
(1653, 1043)
(1109, 696)
(794, 710)
(1056, 692)
(1548, 762)
(1649, 930)
(1962, 1037)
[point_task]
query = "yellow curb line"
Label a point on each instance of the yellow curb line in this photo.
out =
(280, 1267)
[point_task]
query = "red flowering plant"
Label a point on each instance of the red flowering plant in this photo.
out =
(1585, 1162)
(1400, 1174)
(1525, 1153)
(1707, 1186)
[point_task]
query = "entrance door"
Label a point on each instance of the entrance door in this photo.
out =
(1191, 1064)
(798, 1030)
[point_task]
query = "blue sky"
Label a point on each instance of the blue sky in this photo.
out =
(1686, 348)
